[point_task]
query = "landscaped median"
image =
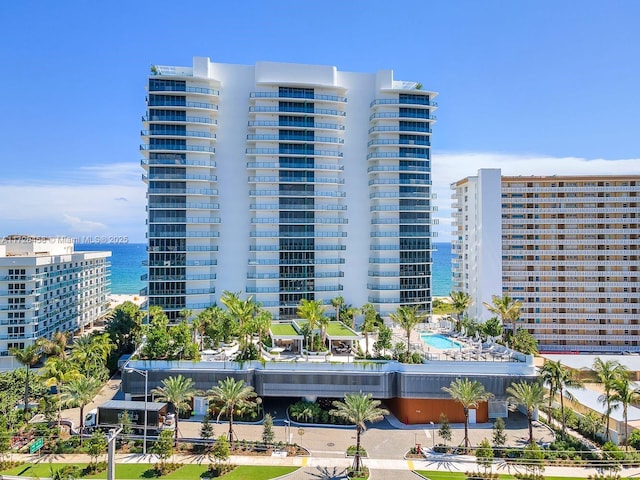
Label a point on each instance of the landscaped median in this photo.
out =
(135, 471)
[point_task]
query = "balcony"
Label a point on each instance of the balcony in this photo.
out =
(178, 148)
(397, 141)
(306, 180)
(185, 89)
(167, 176)
(399, 128)
(293, 166)
(293, 152)
(181, 191)
(398, 155)
(422, 101)
(298, 111)
(180, 103)
(294, 138)
(413, 116)
(178, 119)
(301, 96)
(173, 133)
(296, 125)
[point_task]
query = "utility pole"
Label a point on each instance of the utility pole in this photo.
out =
(111, 452)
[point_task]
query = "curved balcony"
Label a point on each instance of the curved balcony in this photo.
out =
(182, 191)
(294, 125)
(293, 153)
(184, 89)
(166, 176)
(315, 180)
(426, 234)
(178, 148)
(276, 234)
(301, 193)
(301, 96)
(177, 162)
(426, 117)
(293, 111)
(185, 235)
(180, 104)
(393, 181)
(397, 168)
(293, 138)
(381, 195)
(399, 155)
(174, 134)
(397, 141)
(277, 207)
(425, 129)
(276, 165)
(298, 221)
(178, 119)
(419, 102)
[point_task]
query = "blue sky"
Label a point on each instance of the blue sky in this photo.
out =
(540, 87)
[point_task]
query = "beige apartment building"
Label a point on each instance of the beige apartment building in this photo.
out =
(568, 250)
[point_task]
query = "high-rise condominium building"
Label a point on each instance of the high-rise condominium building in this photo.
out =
(565, 246)
(46, 286)
(284, 182)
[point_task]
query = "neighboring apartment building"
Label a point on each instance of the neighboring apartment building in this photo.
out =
(284, 182)
(45, 286)
(569, 253)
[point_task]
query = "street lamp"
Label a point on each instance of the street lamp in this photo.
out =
(433, 435)
(145, 374)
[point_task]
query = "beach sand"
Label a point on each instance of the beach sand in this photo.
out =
(117, 299)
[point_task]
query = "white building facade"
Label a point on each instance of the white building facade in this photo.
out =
(287, 181)
(569, 249)
(46, 286)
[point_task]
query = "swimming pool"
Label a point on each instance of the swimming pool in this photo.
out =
(436, 340)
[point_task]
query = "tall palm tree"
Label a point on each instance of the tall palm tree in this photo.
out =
(337, 303)
(56, 372)
(469, 394)
(312, 311)
(351, 313)
(558, 379)
(624, 394)
(460, 302)
(178, 391)
(359, 409)
(262, 323)
(607, 373)
(369, 324)
(530, 396)
(231, 395)
(506, 308)
(79, 392)
(27, 356)
(242, 311)
(407, 317)
(90, 352)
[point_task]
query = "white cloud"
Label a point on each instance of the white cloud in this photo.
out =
(449, 167)
(78, 225)
(68, 209)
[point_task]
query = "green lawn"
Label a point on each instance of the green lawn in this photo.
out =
(338, 329)
(136, 471)
(445, 475)
(283, 330)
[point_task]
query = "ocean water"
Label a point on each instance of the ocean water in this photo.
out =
(126, 266)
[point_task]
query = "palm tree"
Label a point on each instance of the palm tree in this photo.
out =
(506, 308)
(624, 394)
(460, 302)
(262, 323)
(337, 303)
(351, 313)
(530, 396)
(56, 346)
(359, 409)
(231, 395)
(312, 311)
(558, 378)
(27, 356)
(242, 311)
(79, 392)
(407, 317)
(469, 394)
(90, 353)
(369, 324)
(608, 372)
(178, 391)
(56, 372)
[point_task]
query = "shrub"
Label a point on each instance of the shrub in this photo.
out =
(363, 473)
(351, 451)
